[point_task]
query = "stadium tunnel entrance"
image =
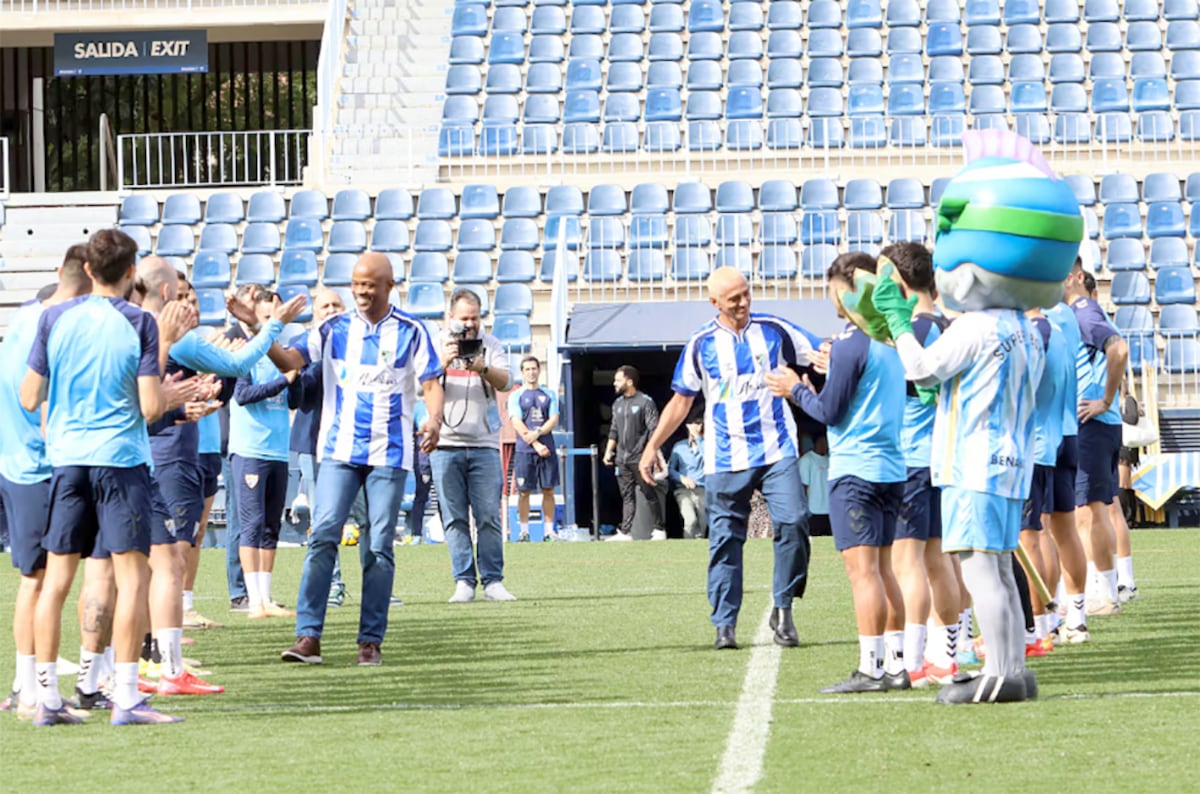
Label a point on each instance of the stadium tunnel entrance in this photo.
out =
(649, 336)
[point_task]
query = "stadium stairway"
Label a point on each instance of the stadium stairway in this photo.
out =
(392, 80)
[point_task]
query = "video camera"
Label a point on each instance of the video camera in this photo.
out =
(468, 348)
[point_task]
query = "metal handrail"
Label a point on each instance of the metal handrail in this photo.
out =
(74, 6)
(207, 159)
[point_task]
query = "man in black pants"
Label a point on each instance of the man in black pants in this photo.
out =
(634, 418)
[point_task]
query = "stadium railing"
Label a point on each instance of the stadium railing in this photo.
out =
(209, 159)
(71, 6)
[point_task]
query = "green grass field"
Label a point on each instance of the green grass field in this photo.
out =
(601, 678)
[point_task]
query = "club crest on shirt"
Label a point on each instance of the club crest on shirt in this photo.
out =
(520, 481)
(633, 409)
(251, 481)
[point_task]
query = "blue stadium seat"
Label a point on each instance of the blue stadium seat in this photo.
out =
(1066, 67)
(623, 76)
(1167, 252)
(464, 79)
(351, 205)
(864, 43)
(475, 234)
(784, 44)
(393, 204)
(663, 104)
(1172, 285)
(506, 49)
(139, 209)
(983, 41)
(606, 200)
(1143, 37)
(436, 203)
(692, 198)
(546, 49)
(690, 264)
(1161, 186)
(1104, 37)
(647, 264)
(309, 204)
(585, 19)
(429, 266)
(869, 70)
(1058, 11)
(627, 19)
(1147, 65)
(466, 49)
(706, 46)
(625, 47)
(1187, 95)
(705, 76)
(588, 46)
(260, 238)
(824, 14)
(514, 267)
(1027, 97)
(298, 267)
(816, 227)
(946, 97)
(864, 14)
(985, 70)
(744, 44)
(621, 107)
(1165, 219)
(816, 259)
(1125, 254)
(666, 19)
(1068, 98)
(981, 12)
(1118, 188)
(867, 100)
(500, 109)
(946, 69)
(1110, 95)
(1034, 126)
(908, 225)
(946, 129)
(581, 106)
(1122, 220)
(746, 17)
(744, 73)
(175, 241)
(819, 194)
(942, 11)
(901, 14)
(692, 231)
(222, 208)
(987, 99)
(266, 206)
(472, 267)
(347, 237)
(779, 228)
(255, 269)
(504, 78)
(1084, 188)
(741, 258)
(210, 269)
(1179, 9)
(606, 232)
(619, 137)
(704, 136)
(431, 235)
(541, 109)
(648, 231)
(777, 261)
(1151, 93)
(735, 196)
(1023, 39)
(1022, 12)
(425, 300)
(470, 19)
(1182, 356)
(480, 201)
(777, 195)
(570, 229)
(863, 194)
(786, 133)
(181, 208)
(212, 306)
(337, 270)
(1176, 321)
(455, 139)
(1134, 320)
(218, 237)
(509, 20)
(863, 226)
(743, 102)
(1063, 38)
(904, 40)
(825, 43)
(665, 47)
(734, 229)
(1183, 35)
(1026, 67)
(514, 332)
(390, 235)
(648, 198)
(1091, 224)
(602, 265)
(905, 193)
(1155, 126)
(825, 73)
(943, 38)
(706, 15)
(1101, 11)
(1129, 288)
(936, 188)
(519, 234)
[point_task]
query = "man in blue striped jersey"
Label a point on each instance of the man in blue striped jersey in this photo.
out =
(374, 358)
(750, 444)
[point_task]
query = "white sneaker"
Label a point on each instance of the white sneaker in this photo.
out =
(463, 593)
(619, 536)
(1126, 594)
(1074, 636)
(496, 591)
(658, 534)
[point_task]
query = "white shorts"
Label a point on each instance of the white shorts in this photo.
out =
(974, 521)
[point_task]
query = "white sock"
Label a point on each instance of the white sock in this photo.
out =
(170, 645)
(26, 684)
(110, 659)
(1125, 573)
(964, 628)
(525, 529)
(252, 592)
(914, 646)
(1110, 578)
(937, 648)
(1091, 586)
(1060, 592)
(870, 656)
(1041, 624)
(47, 685)
(188, 601)
(16, 685)
(90, 665)
(125, 691)
(1076, 615)
(893, 656)
(548, 528)
(264, 586)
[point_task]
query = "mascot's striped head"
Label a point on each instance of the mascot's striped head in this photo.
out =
(1010, 222)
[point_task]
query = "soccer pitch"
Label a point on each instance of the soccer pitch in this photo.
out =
(602, 678)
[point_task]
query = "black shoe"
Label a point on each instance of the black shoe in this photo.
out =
(984, 689)
(239, 604)
(726, 639)
(857, 682)
(785, 630)
(897, 681)
(1031, 687)
(96, 701)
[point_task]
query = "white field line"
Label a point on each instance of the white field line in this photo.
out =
(742, 765)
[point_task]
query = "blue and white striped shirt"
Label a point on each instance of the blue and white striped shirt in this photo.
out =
(745, 425)
(371, 375)
(1063, 317)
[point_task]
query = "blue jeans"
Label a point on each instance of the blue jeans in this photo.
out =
(337, 486)
(727, 499)
(234, 579)
(468, 481)
(416, 516)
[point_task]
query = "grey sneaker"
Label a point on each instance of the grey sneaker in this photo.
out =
(239, 604)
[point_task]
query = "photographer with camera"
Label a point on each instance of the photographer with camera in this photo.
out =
(466, 463)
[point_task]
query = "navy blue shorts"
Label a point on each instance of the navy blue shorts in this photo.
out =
(210, 474)
(27, 509)
(184, 493)
(1099, 454)
(863, 513)
(921, 511)
(1039, 497)
(1060, 493)
(100, 508)
(261, 491)
(535, 473)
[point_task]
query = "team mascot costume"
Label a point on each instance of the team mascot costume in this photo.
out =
(1008, 232)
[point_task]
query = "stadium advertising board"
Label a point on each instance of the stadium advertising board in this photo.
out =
(132, 52)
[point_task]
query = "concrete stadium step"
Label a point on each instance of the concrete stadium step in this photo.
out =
(31, 264)
(12, 280)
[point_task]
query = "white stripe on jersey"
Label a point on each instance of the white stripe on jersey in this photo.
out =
(772, 443)
(381, 401)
